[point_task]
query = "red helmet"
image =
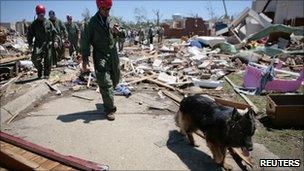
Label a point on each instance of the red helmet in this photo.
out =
(104, 4)
(40, 9)
(69, 17)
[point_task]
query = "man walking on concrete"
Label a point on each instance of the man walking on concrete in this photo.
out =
(44, 33)
(106, 62)
(58, 53)
(73, 33)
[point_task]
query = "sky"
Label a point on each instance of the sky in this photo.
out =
(17, 10)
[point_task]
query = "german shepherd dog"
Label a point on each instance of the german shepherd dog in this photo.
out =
(222, 126)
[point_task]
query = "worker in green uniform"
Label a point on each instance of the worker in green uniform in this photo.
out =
(62, 35)
(106, 62)
(44, 33)
(73, 33)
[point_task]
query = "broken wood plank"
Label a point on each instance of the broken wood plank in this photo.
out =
(239, 153)
(17, 161)
(231, 103)
(12, 59)
(68, 160)
(82, 97)
(161, 84)
(172, 96)
(48, 165)
(139, 80)
(62, 167)
(89, 80)
(10, 81)
(254, 108)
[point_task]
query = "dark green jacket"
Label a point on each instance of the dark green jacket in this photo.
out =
(98, 34)
(60, 28)
(43, 32)
(72, 31)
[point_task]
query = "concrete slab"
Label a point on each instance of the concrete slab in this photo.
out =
(137, 140)
(17, 105)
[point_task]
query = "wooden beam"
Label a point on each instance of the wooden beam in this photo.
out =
(161, 84)
(172, 96)
(8, 59)
(139, 80)
(11, 160)
(67, 160)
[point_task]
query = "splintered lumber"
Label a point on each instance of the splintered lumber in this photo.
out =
(82, 97)
(53, 159)
(17, 161)
(255, 109)
(172, 96)
(10, 81)
(139, 80)
(151, 80)
(89, 80)
(12, 59)
(239, 153)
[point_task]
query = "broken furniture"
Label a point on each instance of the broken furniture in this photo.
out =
(253, 75)
(286, 110)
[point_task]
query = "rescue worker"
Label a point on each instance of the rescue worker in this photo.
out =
(121, 38)
(61, 35)
(73, 32)
(106, 62)
(44, 33)
(141, 35)
(150, 34)
(115, 32)
(160, 32)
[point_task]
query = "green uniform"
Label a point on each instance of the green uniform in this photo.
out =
(98, 34)
(73, 31)
(58, 53)
(44, 34)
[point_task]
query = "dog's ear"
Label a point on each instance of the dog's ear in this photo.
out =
(235, 114)
(249, 114)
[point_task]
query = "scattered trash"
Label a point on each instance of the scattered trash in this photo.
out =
(122, 90)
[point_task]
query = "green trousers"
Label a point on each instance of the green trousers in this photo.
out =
(73, 47)
(58, 54)
(108, 76)
(41, 58)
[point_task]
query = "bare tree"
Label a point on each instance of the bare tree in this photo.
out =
(140, 15)
(210, 10)
(158, 16)
(86, 14)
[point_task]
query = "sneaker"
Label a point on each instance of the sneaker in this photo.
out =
(110, 116)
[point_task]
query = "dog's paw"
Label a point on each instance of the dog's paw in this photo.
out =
(227, 167)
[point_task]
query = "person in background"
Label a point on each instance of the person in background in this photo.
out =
(73, 35)
(62, 35)
(43, 31)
